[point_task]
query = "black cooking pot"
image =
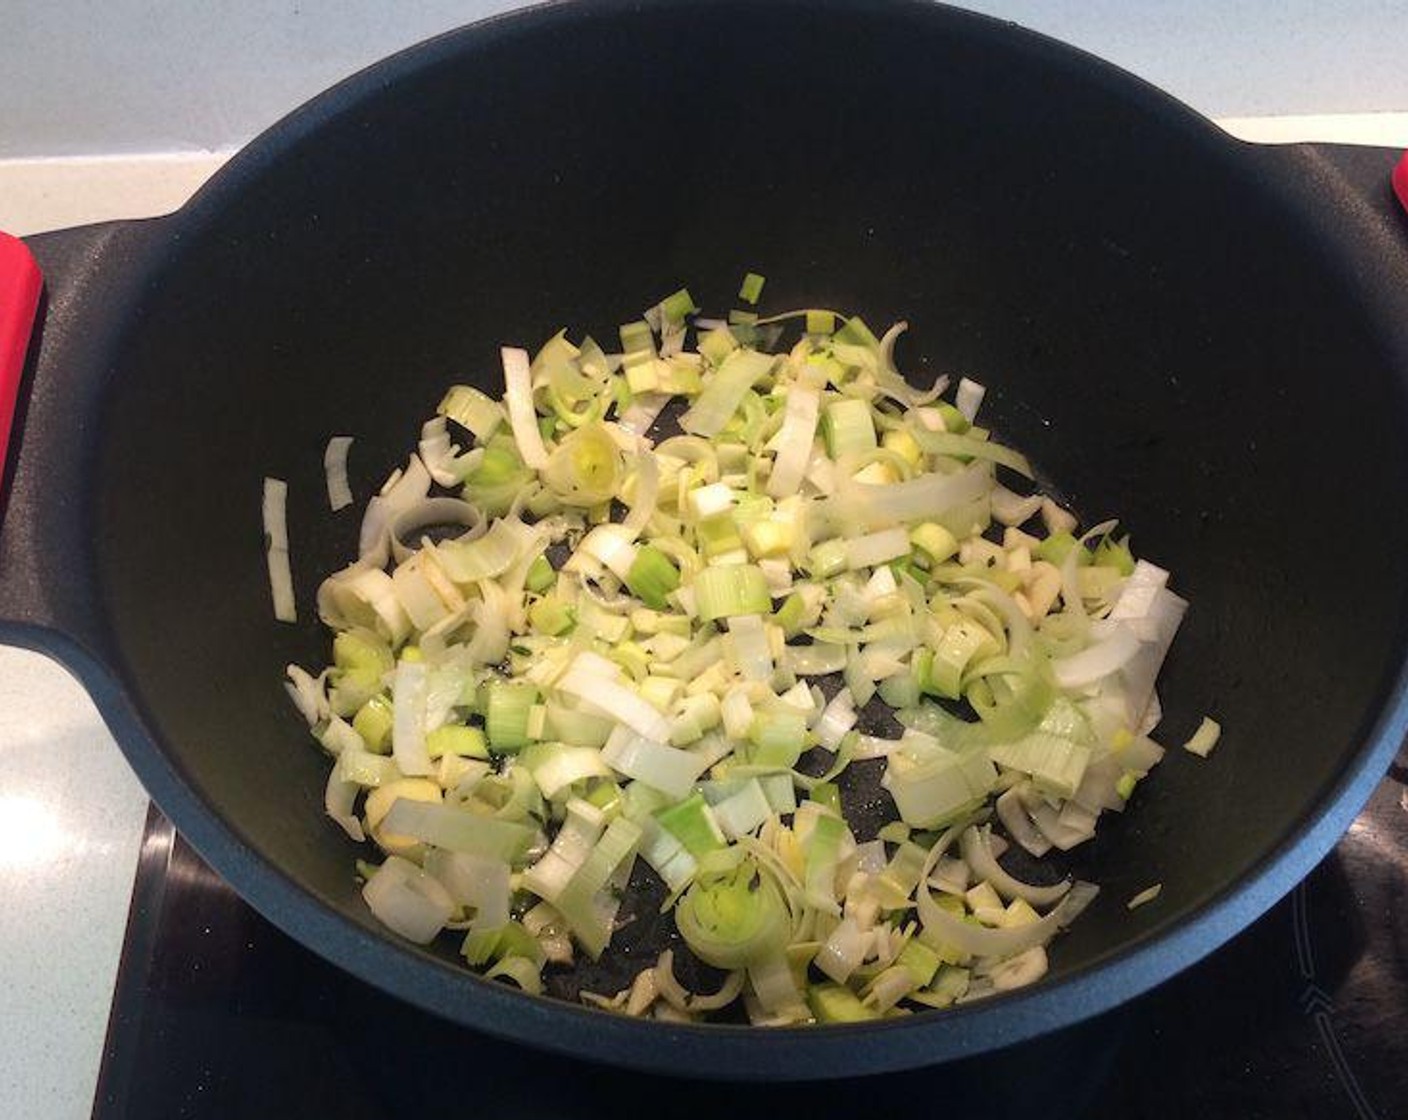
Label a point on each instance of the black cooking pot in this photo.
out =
(1206, 338)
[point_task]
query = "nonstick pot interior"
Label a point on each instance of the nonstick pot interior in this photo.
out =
(1155, 330)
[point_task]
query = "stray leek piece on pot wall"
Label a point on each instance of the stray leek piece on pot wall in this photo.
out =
(669, 577)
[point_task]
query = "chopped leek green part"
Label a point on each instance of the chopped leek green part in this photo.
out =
(936, 542)
(507, 713)
(692, 824)
(855, 332)
(953, 420)
(373, 723)
(901, 690)
(894, 832)
(652, 577)
(580, 904)
(823, 855)
(752, 288)
(540, 575)
(551, 616)
(828, 559)
(791, 615)
(1055, 548)
(637, 338)
(677, 306)
(509, 940)
(919, 961)
(721, 398)
(836, 1003)
(727, 591)
(524, 973)
(716, 345)
(848, 428)
(456, 739)
(778, 738)
(903, 872)
(1115, 554)
(605, 795)
(359, 651)
(827, 794)
(966, 448)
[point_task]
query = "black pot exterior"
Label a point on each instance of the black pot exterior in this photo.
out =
(1206, 339)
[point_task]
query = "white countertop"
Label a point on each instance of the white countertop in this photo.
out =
(71, 811)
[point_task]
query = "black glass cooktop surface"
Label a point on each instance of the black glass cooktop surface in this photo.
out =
(218, 1014)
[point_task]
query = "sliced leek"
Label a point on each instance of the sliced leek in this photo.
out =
(571, 639)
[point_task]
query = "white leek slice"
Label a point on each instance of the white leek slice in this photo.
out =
(1012, 812)
(457, 830)
(605, 695)
(1017, 972)
(1137, 597)
(748, 640)
(743, 812)
(645, 408)
(309, 694)
(404, 490)
(522, 415)
(969, 398)
(566, 766)
(1013, 509)
(795, 438)
(335, 471)
(276, 548)
(339, 800)
(485, 557)
(837, 718)
(647, 495)
(668, 769)
(1098, 661)
(1139, 674)
(480, 882)
(580, 831)
(363, 596)
(367, 770)
(408, 901)
(439, 454)
(864, 506)
(432, 511)
(874, 549)
(944, 929)
(930, 790)
(408, 731)
(976, 844)
(1202, 741)
(715, 406)
(843, 952)
(1147, 895)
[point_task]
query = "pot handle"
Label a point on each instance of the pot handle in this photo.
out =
(1400, 181)
(62, 295)
(20, 284)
